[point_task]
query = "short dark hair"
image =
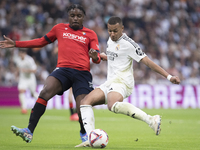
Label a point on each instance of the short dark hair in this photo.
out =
(114, 20)
(73, 6)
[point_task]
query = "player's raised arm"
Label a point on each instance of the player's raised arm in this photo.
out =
(148, 62)
(34, 43)
(7, 43)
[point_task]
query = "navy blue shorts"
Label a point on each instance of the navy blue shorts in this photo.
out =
(80, 81)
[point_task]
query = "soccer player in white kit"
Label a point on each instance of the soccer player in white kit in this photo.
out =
(121, 52)
(27, 80)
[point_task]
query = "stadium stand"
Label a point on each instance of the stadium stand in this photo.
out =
(167, 30)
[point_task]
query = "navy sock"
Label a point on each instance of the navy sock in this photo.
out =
(81, 125)
(37, 111)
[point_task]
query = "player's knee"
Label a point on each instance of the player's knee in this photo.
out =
(45, 93)
(84, 101)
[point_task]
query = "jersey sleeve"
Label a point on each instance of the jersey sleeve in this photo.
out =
(50, 37)
(136, 52)
(94, 41)
(95, 45)
(99, 59)
(39, 42)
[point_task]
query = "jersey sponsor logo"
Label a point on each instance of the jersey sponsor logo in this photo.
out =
(117, 47)
(139, 51)
(111, 55)
(74, 37)
(111, 58)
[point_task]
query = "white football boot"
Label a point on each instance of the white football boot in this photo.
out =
(155, 125)
(84, 144)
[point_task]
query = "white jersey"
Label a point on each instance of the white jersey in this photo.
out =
(120, 56)
(26, 63)
(26, 80)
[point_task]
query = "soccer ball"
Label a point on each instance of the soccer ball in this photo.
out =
(98, 138)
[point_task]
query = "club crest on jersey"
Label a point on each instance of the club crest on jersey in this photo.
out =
(84, 33)
(117, 47)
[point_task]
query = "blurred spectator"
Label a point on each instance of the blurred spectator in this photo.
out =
(167, 31)
(14, 34)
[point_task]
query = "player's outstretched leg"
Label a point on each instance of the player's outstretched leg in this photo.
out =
(128, 109)
(24, 133)
(155, 125)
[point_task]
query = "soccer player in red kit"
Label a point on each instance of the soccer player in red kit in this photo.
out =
(76, 45)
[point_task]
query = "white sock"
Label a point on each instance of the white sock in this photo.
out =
(130, 110)
(87, 115)
(22, 100)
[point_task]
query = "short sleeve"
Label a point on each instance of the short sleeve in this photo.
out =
(94, 41)
(136, 52)
(50, 37)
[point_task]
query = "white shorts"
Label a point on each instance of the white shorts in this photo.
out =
(25, 84)
(117, 87)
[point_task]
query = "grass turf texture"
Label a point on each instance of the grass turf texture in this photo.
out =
(180, 130)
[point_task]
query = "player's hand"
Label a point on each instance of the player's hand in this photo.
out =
(175, 80)
(7, 43)
(103, 56)
(93, 54)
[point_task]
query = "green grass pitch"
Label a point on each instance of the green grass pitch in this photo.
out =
(180, 130)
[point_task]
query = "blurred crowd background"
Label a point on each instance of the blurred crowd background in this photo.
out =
(168, 31)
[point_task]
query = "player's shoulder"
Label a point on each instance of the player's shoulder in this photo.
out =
(128, 41)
